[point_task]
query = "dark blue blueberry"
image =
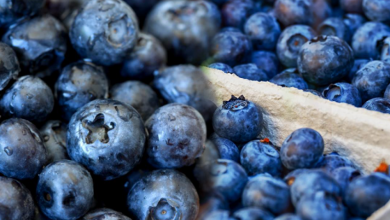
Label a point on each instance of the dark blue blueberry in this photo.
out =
(385, 50)
(252, 213)
(29, 98)
(321, 205)
(147, 56)
(367, 38)
(343, 93)
(250, 71)
(177, 136)
(367, 194)
(65, 11)
(311, 181)
(352, 6)
(377, 10)
(267, 193)
(163, 194)
(325, 60)
(356, 67)
(344, 176)
(226, 148)
(107, 137)
(314, 92)
(335, 27)
(104, 31)
(291, 176)
(230, 46)
(11, 10)
(354, 21)
(331, 162)
(211, 203)
(185, 28)
(138, 95)
(260, 157)
(210, 153)
(16, 200)
(185, 84)
(64, 190)
(54, 138)
(387, 92)
(302, 149)
(267, 61)
(9, 65)
(291, 41)
(238, 120)
(288, 216)
(289, 78)
(142, 7)
(40, 43)
(263, 30)
(133, 176)
(222, 176)
(372, 79)
(236, 12)
(78, 84)
(104, 213)
(378, 104)
(221, 66)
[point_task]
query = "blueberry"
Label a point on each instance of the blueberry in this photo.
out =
(40, 43)
(29, 98)
(354, 21)
(312, 181)
(352, 6)
(377, 10)
(260, 157)
(267, 193)
(263, 30)
(289, 78)
(267, 61)
(138, 95)
(211, 203)
(9, 65)
(343, 93)
(226, 148)
(331, 162)
(218, 214)
(335, 27)
(302, 149)
(78, 84)
(65, 11)
(291, 176)
(107, 137)
(387, 92)
(321, 205)
(185, 28)
(222, 176)
(221, 66)
(291, 41)
(16, 200)
(385, 50)
(104, 213)
(54, 138)
(367, 194)
(250, 71)
(366, 39)
(378, 104)
(344, 176)
(372, 79)
(147, 56)
(177, 136)
(230, 46)
(163, 194)
(211, 153)
(64, 190)
(236, 12)
(288, 216)
(185, 84)
(324, 60)
(356, 67)
(12, 10)
(238, 120)
(104, 31)
(252, 213)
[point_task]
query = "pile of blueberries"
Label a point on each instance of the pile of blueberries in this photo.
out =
(100, 120)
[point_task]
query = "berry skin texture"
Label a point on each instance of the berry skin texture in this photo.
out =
(344, 176)
(104, 31)
(266, 61)
(238, 120)
(324, 60)
(302, 149)
(335, 27)
(16, 201)
(54, 138)
(226, 148)
(290, 12)
(177, 136)
(377, 10)
(289, 78)
(356, 67)
(250, 71)
(29, 98)
(10, 11)
(107, 137)
(354, 21)
(343, 93)
(372, 79)
(352, 6)
(367, 194)
(236, 12)
(378, 104)
(163, 194)
(64, 190)
(331, 162)
(22, 157)
(104, 213)
(9, 65)
(251, 213)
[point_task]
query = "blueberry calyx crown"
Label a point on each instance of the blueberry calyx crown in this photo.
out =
(235, 103)
(321, 38)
